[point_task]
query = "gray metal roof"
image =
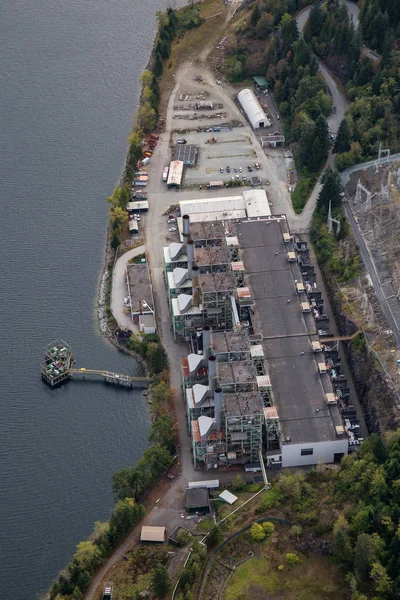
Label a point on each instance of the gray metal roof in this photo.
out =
(299, 389)
(186, 153)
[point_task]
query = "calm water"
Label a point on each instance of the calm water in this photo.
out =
(69, 74)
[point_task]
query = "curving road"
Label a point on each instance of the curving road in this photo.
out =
(339, 99)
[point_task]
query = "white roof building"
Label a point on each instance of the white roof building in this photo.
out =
(256, 202)
(253, 109)
(175, 173)
(251, 204)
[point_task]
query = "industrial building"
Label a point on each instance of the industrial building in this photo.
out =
(140, 292)
(273, 140)
(138, 206)
(253, 109)
(187, 153)
(250, 204)
(153, 534)
(175, 174)
(199, 279)
(197, 500)
(259, 382)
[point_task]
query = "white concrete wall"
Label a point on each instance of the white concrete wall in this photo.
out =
(323, 452)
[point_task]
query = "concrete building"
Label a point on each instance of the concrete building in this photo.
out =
(273, 140)
(140, 292)
(311, 426)
(266, 386)
(250, 203)
(197, 500)
(147, 324)
(253, 109)
(199, 279)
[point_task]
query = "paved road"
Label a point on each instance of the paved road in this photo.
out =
(119, 289)
(339, 99)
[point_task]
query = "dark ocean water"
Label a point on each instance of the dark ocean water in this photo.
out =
(69, 86)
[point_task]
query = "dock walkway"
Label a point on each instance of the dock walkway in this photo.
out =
(110, 377)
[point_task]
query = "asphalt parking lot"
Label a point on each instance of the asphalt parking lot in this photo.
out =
(231, 148)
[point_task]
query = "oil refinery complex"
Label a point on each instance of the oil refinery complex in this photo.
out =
(262, 380)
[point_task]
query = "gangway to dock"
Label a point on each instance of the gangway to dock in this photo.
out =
(110, 377)
(57, 368)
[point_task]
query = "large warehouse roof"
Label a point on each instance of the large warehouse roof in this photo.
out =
(253, 110)
(211, 205)
(251, 203)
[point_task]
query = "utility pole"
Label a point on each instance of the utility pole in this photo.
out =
(331, 220)
(381, 153)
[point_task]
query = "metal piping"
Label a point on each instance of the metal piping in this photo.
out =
(218, 408)
(190, 257)
(206, 342)
(196, 285)
(212, 373)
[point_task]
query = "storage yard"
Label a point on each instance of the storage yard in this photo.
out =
(202, 119)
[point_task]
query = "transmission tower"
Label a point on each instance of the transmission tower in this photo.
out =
(358, 198)
(331, 220)
(398, 178)
(381, 154)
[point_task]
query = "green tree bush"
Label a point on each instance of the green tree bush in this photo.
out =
(214, 537)
(161, 582)
(257, 532)
(268, 528)
(291, 558)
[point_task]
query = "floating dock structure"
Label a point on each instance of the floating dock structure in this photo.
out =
(58, 362)
(58, 367)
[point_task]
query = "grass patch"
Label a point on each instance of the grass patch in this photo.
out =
(302, 192)
(260, 578)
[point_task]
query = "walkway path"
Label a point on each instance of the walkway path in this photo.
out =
(119, 290)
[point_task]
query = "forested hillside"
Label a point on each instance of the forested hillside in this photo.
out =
(372, 83)
(380, 20)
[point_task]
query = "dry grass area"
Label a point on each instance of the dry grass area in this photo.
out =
(262, 573)
(259, 578)
(191, 45)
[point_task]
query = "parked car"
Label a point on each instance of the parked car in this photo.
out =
(240, 169)
(221, 169)
(244, 177)
(228, 169)
(249, 168)
(181, 141)
(257, 166)
(235, 169)
(172, 229)
(238, 177)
